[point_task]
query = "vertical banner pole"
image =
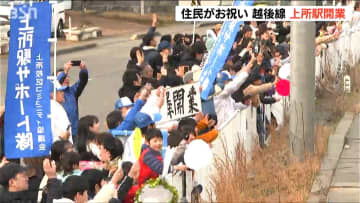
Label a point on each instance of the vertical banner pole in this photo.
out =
(53, 4)
(193, 40)
(142, 7)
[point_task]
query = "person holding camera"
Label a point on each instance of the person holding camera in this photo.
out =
(73, 92)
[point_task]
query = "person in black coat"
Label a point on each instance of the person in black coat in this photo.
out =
(131, 84)
(172, 77)
(136, 59)
(15, 183)
(283, 29)
(17, 187)
(151, 54)
(193, 55)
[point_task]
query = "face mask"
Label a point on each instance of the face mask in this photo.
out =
(94, 149)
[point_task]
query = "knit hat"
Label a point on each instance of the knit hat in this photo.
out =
(164, 45)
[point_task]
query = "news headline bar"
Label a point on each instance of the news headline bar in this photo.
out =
(263, 13)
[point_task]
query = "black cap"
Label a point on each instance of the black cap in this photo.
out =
(9, 171)
(147, 38)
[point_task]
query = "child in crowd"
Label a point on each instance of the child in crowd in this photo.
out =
(151, 164)
(150, 161)
(70, 164)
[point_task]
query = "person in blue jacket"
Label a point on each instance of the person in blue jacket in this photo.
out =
(129, 110)
(72, 94)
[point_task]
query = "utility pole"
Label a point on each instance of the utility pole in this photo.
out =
(142, 7)
(302, 97)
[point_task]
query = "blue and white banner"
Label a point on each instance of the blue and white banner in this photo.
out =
(27, 125)
(220, 52)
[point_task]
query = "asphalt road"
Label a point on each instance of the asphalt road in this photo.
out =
(106, 64)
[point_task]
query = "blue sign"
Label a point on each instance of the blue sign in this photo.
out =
(220, 52)
(27, 125)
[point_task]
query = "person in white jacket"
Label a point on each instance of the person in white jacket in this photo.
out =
(225, 105)
(60, 124)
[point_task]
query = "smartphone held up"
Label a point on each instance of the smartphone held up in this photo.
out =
(76, 62)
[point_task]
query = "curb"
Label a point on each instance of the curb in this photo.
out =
(59, 51)
(141, 35)
(74, 49)
(328, 165)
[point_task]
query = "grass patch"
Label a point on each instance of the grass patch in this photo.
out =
(271, 176)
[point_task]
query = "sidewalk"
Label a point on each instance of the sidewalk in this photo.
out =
(345, 184)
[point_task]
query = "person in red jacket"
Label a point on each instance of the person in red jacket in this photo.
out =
(151, 164)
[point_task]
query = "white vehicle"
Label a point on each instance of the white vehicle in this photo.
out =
(58, 12)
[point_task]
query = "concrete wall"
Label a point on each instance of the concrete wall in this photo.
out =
(159, 6)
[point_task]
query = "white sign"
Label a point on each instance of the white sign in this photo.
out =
(181, 101)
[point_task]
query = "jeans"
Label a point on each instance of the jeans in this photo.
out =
(260, 127)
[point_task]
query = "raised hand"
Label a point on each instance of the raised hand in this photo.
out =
(49, 168)
(154, 19)
(140, 57)
(82, 65)
(67, 67)
(3, 162)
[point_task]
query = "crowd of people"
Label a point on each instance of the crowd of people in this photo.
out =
(87, 165)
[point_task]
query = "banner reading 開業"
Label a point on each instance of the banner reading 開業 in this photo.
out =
(181, 101)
